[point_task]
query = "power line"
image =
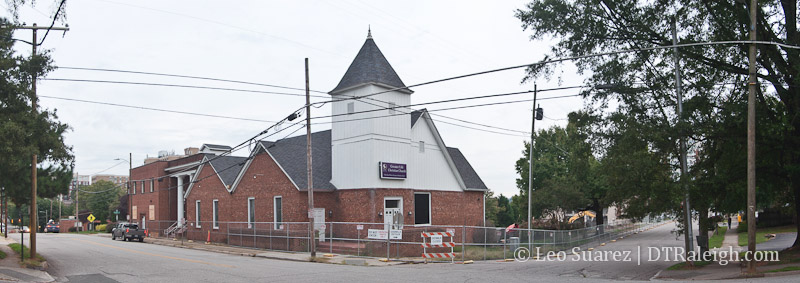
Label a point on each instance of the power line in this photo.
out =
(461, 99)
(572, 58)
(55, 17)
(180, 86)
(109, 168)
(156, 109)
(445, 109)
(181, 76)
(247, 83)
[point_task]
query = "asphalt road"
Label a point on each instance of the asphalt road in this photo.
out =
(88, 258)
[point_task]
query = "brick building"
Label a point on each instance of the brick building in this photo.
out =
(381, 162)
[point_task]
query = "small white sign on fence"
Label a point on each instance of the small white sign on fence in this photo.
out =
(359, 227)
(378, 234)
(436, 240)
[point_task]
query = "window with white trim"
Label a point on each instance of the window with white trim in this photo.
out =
(392, 106)
(197, 214)
(421, 146)
(215, 219)
(351, 107)
(134, 188)
(278, 213)
(142, 186)
(251, 212)
(152, 184)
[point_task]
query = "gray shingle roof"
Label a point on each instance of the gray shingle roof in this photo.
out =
(468, 174)
(369, 66)
(227, 167)
(291, 156)
(415, 116)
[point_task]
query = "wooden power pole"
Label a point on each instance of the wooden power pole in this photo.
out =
(309, 169)
(751, 142)
(33, 210)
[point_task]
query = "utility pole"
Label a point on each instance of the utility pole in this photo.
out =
(33, 210)
(77, 207)
(309, 168)
(130, 201)
(687, 233)
(530, 165)
(751, 142)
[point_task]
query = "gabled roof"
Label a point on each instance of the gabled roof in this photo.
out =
(468, 174)
(290, 154)
(370, 66)
(227, 168)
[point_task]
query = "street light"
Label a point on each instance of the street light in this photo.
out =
(128, 189)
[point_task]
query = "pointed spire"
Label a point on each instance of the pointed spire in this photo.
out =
(370, 67)
(369, 32)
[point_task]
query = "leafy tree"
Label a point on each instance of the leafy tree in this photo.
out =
(101, 198)
(714, 75)
(567, 177)
(27, 132)
(507, 212)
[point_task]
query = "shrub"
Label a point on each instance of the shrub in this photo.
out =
(72, 229)
(101, 227)
(110, 227)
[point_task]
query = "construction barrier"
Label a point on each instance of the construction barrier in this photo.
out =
(436, 241)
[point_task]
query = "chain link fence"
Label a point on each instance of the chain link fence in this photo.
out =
(349, 238)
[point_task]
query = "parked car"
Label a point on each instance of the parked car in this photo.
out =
(128, 232)
(25, 229)
(52, 228)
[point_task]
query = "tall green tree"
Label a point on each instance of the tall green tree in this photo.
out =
(101, 198)
(567, 176)
(583, 27)
(27, 131)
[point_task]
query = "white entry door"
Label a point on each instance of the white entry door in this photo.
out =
(393, 213)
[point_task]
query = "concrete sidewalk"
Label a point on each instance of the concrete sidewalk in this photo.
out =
(290, 256)
(10, 268)
(734, 268)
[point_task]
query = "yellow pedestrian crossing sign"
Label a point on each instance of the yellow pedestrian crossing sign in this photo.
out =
(90, 218)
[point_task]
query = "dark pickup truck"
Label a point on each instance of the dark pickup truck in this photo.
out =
(128, 232)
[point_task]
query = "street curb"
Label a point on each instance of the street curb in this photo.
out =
(784, 273)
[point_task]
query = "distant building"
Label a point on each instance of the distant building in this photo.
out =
(119, 180)
(77, 180)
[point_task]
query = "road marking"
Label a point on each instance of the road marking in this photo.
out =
(158, 255)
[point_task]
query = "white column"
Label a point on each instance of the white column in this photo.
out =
(180, 201)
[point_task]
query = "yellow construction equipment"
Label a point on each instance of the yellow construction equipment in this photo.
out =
(581, 214)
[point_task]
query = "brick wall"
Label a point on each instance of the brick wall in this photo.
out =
(263, 180)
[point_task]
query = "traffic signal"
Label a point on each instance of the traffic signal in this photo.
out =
(539, 113)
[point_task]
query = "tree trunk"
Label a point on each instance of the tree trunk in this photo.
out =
(598, 219)
(703, 228)
(794, 182)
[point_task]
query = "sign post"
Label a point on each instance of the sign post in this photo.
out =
(116, 214)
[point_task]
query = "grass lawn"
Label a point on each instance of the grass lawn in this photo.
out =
(37, 262)
(760, 232)
(3, 255)
(683, 266)
(716, 240)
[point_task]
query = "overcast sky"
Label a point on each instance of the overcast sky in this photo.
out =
(266, 42)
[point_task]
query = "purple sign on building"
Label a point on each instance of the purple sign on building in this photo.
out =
(392, 170)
